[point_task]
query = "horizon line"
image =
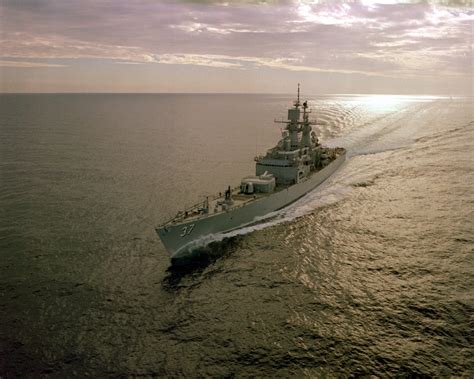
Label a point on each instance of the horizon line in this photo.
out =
(238, 93)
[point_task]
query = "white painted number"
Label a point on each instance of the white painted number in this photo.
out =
(187, 230)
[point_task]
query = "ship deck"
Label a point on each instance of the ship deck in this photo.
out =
(239, 199)
(197, 211)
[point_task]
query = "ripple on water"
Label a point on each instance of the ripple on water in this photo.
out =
(370, 274)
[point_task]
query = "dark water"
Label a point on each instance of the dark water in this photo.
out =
(370, 274)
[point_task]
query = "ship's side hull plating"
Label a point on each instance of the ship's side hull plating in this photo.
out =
(180, 239)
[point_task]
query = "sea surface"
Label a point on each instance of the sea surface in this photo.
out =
(370, 274)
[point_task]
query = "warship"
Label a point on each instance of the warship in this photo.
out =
(288, 171)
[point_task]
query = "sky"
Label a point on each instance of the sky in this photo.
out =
(374, 47)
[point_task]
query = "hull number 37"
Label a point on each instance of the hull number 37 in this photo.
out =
(186, 231)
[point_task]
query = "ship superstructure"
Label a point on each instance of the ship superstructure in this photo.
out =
(296, 165)
(298, 153)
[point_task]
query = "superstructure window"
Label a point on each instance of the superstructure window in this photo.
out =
(272, 165)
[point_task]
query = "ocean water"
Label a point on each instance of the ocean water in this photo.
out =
(370, 274)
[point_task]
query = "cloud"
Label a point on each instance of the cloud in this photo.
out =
(372, 38)
(199, 60)
(25, 45)
(241, 62)
(21, 64)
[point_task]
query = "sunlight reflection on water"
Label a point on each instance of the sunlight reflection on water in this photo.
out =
(387, 103)
(370, 274)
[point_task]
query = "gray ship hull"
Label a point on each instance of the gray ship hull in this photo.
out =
(180, 239)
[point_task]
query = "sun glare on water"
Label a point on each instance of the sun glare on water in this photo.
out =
(384, 103)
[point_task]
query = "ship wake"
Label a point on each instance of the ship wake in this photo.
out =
(395, 131)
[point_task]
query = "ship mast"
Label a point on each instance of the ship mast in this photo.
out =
(295, 125)
(297, 103)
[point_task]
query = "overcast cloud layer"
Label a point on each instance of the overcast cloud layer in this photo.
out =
(418, 42)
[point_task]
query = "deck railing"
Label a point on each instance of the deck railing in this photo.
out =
(181, 214)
